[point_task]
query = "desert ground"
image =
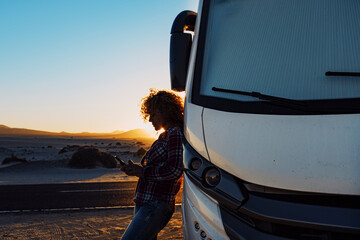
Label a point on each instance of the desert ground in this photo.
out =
(47, 159)
(89, 224)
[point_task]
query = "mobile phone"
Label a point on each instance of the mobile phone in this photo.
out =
(122, 163)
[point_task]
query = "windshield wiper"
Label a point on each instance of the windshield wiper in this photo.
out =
(261, 96)
(345, 74)
(296, 104)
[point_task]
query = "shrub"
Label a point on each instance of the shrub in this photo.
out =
(91, 158)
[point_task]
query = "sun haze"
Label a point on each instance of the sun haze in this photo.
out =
(83, 65)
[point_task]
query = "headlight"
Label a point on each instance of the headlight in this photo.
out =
(212, 177)
(195, 164)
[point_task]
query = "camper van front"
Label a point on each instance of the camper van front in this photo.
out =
(272, 121)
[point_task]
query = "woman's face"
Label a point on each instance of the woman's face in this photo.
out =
(156, 120)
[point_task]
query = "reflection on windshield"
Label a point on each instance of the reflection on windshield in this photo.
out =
(282, 50)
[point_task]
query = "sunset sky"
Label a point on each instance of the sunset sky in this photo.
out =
(83, 65)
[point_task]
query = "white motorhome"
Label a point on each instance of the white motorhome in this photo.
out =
(272, 118)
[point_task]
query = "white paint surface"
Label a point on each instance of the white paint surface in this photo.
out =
(318, 153)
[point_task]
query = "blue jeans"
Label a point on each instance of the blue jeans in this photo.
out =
(148, 221)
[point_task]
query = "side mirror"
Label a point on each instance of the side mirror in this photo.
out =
(180, 47)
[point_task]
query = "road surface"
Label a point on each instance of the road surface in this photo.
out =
(71, 195)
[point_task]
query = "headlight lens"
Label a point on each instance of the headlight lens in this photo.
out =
(212, 177)
(195, 164)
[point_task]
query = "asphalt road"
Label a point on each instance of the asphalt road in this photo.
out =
(60, 196)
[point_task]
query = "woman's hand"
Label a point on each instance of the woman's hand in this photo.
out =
(132, 169)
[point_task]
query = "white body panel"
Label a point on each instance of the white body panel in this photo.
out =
(194, 130)
(193, 114)
(314, 153)
(200, 208)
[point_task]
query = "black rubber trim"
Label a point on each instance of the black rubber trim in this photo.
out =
(343, 74)
(318, 107)
(184, 21)
(320, 199)
(238, 230)
(310, 216)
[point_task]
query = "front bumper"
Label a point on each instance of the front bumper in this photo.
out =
(256, 212)
(200, 209)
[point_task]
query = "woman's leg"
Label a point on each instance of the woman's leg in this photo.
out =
(149, 219)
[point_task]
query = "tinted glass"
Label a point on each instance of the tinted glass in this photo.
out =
(282, 48)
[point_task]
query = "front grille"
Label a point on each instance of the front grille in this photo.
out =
(319, 199)
(293, 215)
(293, 232)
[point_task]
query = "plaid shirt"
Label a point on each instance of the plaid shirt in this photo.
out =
(163, 167)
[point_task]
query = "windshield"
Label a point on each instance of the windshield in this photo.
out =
(282, 48)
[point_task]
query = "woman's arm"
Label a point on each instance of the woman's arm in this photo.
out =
(132, 169)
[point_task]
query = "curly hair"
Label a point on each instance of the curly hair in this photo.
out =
(167, 102)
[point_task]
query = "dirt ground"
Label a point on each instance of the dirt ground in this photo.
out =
(82, 224)
(46, 166)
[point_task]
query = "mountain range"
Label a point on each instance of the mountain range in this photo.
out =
(135, 133)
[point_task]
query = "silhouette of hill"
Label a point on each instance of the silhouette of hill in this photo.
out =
(5, 130)
(136, 133)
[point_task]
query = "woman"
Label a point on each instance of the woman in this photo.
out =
(160, 171)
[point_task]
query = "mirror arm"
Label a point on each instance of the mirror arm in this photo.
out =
(184, 21)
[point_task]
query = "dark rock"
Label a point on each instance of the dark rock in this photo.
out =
(141, 151)
(69, 148)
(91, 158)
(5, 151)
(14, 159)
